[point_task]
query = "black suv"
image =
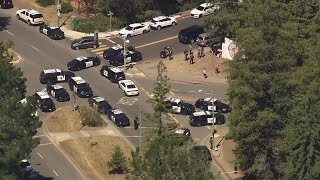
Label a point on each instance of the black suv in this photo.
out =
(84, 43)
(206, 104)
(6, 4)
(52, 32)
(118, 117)
(178, 106)
(44, 102)
(114, 74)
(190, 34)
(115, 50)
(80, 87)
(99, 104)
(55, 76)
(81, 62)
(203, 118)
(58, 92)
(131, 56)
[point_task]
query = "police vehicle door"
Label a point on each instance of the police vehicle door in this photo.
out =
(45, 31)
(176, 108)
(128, 59)
(105, 72)
(89, 63)
(210, 119)
(212, 108)
(53, 93)
(61, 77)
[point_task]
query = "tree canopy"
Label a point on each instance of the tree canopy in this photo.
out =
(17, 124)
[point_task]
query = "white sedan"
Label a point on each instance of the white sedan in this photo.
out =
(203, 10)
(128, 87)
(134, 29)
(162, 21)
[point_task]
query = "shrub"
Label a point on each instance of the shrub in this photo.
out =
(45, 3)
(90, 117)
(66, 8)
(148, 15)
(118, 162)
(100, 23)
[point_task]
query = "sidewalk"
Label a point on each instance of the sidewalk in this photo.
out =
(103, 35)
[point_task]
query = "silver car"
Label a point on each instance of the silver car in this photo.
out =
(205, 39)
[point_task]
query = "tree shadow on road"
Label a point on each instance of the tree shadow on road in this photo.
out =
(4, 22)
(38, 176)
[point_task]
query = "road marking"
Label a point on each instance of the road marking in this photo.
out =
(196, 139)
(127, 101)
(172, 93)
(40, 155)
(45, 144)
(100, 48)
(35, 48)
(146, 92)
(132, 136)
(174, 90)
(110, 40)
(100, 43)
(140, 74)
(208, 127)
(156, 42)
(175, 119)
(55, 172)
(139, 127)
(42, 135)
(9, 32)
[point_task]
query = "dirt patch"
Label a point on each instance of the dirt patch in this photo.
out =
(93, 158)
(66, 120)
(15, 57)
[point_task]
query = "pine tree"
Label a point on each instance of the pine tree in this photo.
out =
(17, 124)
(118, 162)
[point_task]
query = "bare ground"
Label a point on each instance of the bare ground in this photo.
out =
(65, 120)
(93, 158)
(14, 55)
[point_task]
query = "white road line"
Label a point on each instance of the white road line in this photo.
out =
(35, 48)
(110, 40)
(40, 155)
(9, 32)
(210, 93)
(192, 91)
(174, 90)
(55, 172)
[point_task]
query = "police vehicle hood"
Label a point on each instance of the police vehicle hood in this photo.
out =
(187, 106)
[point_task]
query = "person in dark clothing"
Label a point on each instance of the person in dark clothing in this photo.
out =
(202, 52)
(186, 55)
(199, 52)
(135, 123)
(191, 58)
(211, 142)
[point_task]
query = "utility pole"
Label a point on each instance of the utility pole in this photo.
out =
(125, 41)
(214, 122)
(58, 12)
(110, 14)
(140, 133)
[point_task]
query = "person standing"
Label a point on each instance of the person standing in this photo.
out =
(199, 52)
(202, 52)
(191, 58)
(216, 68)
(211, 142)
(204, 72)
(135, 122)
(186, 55)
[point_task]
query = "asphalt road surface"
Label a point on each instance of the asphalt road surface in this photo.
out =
(38, 52)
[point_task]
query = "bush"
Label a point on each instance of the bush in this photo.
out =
(90, 116)
(45, 3)
(148, 15)
(66, 8)
(118, 162)
(100, 23)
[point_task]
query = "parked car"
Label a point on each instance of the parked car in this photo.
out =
(84, 43)
(163, 21)
(203, 118)
(82, 62)
(99, 104)
(52, 32)
(190, 34)
(128, 87)
(212, 104)
(203, 10)
(6, 4)
(30, 16)
(55, 76)
(118, 117)
(44, 102)
(134, 29)
(178, 106)
(114, 74)
(58, 92)
(206, 39)
(131, 56)
(115, 50)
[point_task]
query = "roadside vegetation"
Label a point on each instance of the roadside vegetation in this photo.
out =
(17, 124)
(273, 86)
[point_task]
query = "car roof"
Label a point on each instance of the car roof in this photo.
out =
(115, 69)
(42, 95)
(159, 18)
(201, 113)
(31, 11)
(127, 82)
(204, 35)
(191, 28)
(51, 71)
(98, 99)
(210, 99)
(205, 4)
(78, 80)
(117, 47)
(81, 58)
(87, 37)
(116, 111)
(57, 86)
(181, 130)
(136, 24)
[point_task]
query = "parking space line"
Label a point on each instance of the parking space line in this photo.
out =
(100, 43)
(132, 136)
(172, 93)
(110, 40)
(174, 119)
(128, 127)
(40, 155)
(42, 135)
(156, 42)
(146, 92)
(45, 144)
(55, 172)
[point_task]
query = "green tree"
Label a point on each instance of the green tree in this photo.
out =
(90, 116)
(118, 162)
(17, 124)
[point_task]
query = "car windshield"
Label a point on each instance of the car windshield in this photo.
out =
(60, 91)
(129, 28)
(83, 87)
(200, 8)
(37, 16)
(46, 101)
(154, 21)
(131, 86)
(57, 30)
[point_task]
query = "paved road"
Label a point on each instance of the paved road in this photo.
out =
(38, 52)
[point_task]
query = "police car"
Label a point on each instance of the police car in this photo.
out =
(80, 87)
(82, 62)
(206, 104)
(114, 74)
(115, 50)
(203, 118)
(44, 102)
(58, 92)
(131, 56)
(178, 106)
(52, 32)
(55, 76)
(118, 117)
(99, 104)
(183, 131)
(128, 87)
